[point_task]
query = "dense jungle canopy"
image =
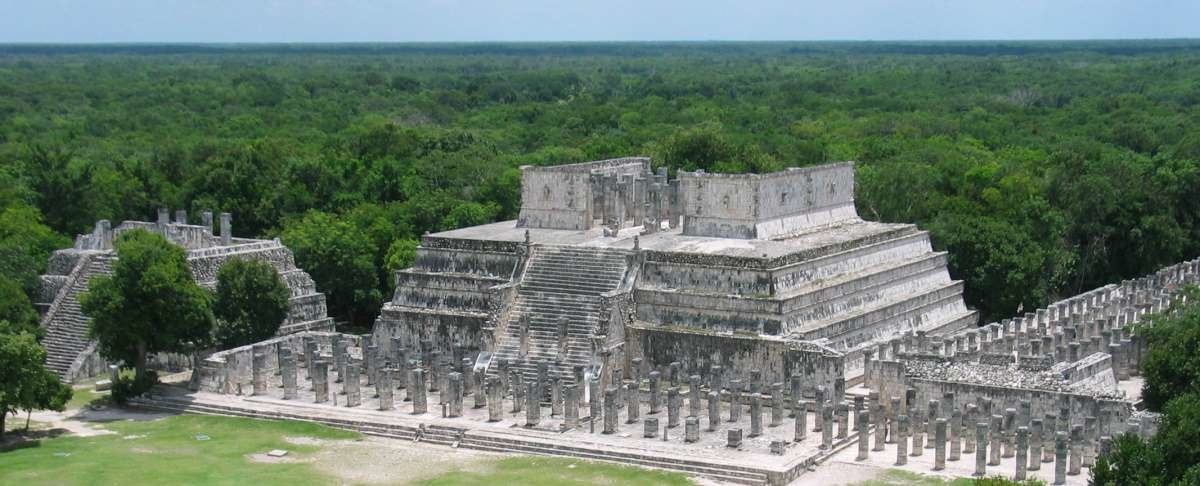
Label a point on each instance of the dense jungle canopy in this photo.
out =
(1043, 168)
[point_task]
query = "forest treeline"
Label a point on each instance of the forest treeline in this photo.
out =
(1043, 169)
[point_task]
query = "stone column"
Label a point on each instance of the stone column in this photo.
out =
(655, 392)
(417, 390)
(881, 427)
(776, 404)
(595, 395)
(1010, 429)
(610, 411)
(843, 420)
(320, 381)
(517, 381)
(1090, 436)
(633, 405)
(797, 382)
(756, 415)
(735, 400)
(714, 410)
(931, 421)
(310, 357)
(1022, 452)
(1060, 457)
(694, 395)
(939, 447)
(674, 403)
(288, 374)
(691, 430)
(226, 229)
(258, 373)
(206, 220)
(650, 428)
(863, 435)
(901, 440)
(1076, 450)
(969, 418)
(383, 388)
(917, 427)
(1048, 438)
(468, 372)
(481, 393)
(350, 386)
(340, 357)
(801, 410)
(556, 405)
(955, 426)
(1035, 444)
(981, 446)
(826, 426)
(570, 406)
(997, 436)
(371, 359)
(533, 409)
(495, 403)
(893, 419)
(455, 390)
(733, 438)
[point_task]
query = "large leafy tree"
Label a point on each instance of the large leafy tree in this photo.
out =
(26, 384)
(338, 255)
(16, 312)
(149, 304)
(1172, 366)
(251, 302)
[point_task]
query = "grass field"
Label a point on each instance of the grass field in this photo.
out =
(167, 452)
(170, 451)
(536, 471)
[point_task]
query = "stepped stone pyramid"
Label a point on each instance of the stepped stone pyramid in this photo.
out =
(612, 266)
(73, 355)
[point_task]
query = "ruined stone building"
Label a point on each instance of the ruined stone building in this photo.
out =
(699, 312)
(73, 355)
(611, 266)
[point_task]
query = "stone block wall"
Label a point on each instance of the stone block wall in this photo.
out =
(777, 359)
(762, 206)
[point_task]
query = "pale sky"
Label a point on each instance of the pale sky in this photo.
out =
(71, 21)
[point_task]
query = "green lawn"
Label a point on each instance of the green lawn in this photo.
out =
(533, 471)
(167, 452)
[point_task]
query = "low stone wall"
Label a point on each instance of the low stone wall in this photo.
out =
(444, 331)
(230, 371)
(778, 360)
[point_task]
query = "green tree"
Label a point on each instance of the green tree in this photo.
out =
(149, 304)
(26, 384)
(15, 310)
(339, 257)
(401, 254)
(250, 304)
(1172, 366)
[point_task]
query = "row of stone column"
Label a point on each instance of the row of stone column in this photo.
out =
(977, 428)
(1096, 321)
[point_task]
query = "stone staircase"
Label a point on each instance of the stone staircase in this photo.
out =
(66, 327)
(562, 285)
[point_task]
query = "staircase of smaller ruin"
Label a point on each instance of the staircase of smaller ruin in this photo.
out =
(66, 327)
(562, 285)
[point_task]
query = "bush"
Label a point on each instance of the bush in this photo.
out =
(130, 386)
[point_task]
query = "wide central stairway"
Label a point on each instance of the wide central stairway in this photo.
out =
(558, 306)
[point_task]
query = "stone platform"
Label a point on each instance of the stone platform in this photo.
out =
(709, 456)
